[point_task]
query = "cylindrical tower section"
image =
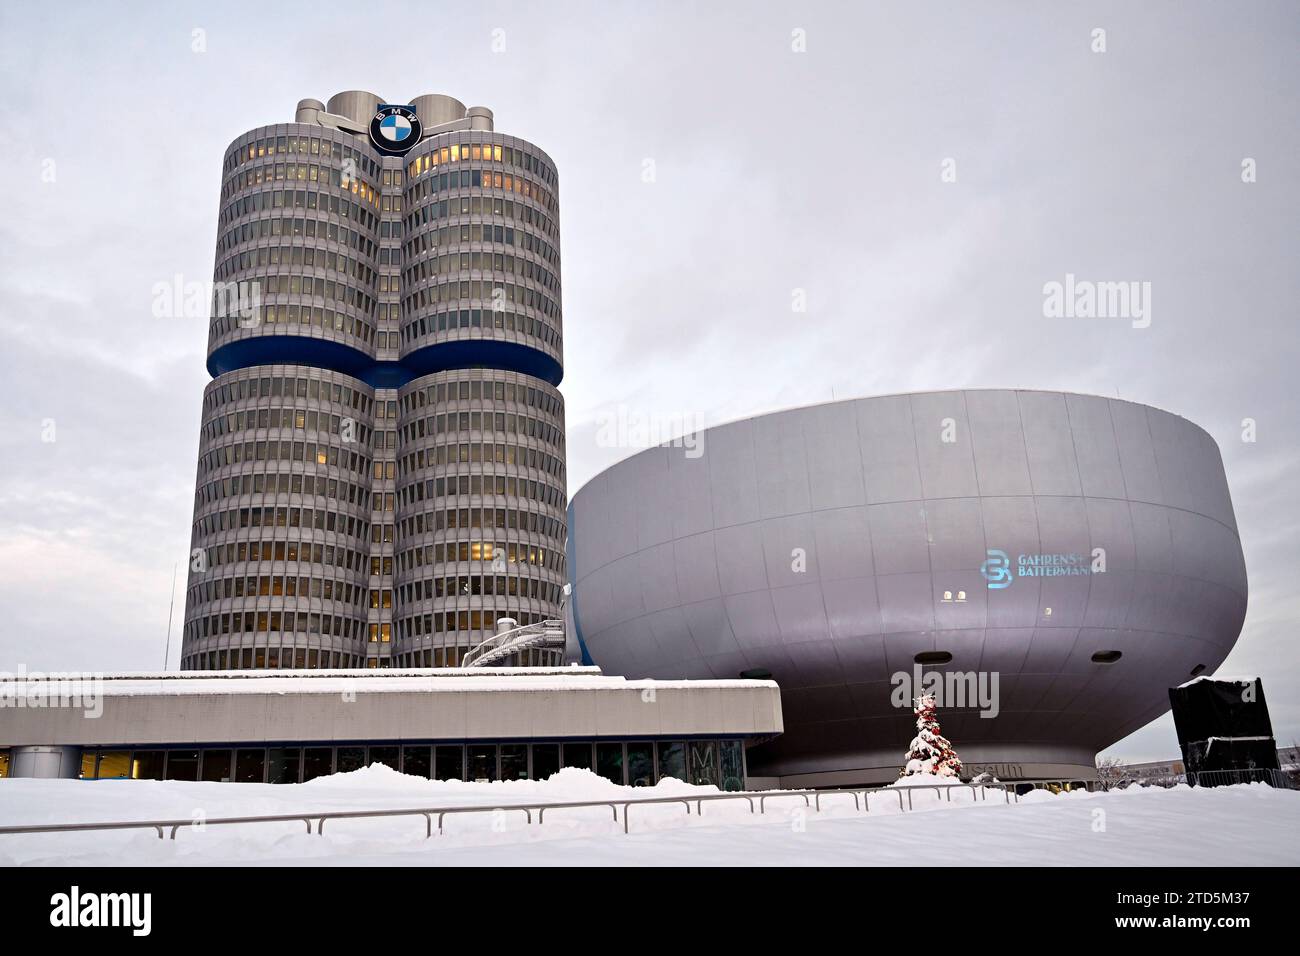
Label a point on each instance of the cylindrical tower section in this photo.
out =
(481, 501)
(297, 250)
(278, 570)
(481, 273)
(280, 544)
(356, 105)
(434, 109)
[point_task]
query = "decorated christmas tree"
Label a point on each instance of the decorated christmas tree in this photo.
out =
(930, 752)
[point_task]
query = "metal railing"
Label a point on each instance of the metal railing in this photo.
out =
(548, 633)
(429, 813)
(1220, 778)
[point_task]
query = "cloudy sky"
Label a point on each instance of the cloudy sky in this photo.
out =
(715, 164)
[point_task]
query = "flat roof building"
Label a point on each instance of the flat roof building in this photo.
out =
(447, 724)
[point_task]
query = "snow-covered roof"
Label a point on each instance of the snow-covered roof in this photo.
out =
(435, 680)
(1219, 680)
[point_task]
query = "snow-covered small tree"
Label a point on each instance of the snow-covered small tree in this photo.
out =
(930, 752)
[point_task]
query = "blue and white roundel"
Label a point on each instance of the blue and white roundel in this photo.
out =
(395, 128)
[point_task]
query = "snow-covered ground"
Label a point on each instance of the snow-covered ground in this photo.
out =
(1242, 825)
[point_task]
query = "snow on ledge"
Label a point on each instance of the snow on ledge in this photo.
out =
(430, 680)
(1219, 680)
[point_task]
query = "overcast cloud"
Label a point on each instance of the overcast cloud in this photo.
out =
(774, 171)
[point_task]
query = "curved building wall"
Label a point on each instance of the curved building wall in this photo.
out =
(481, 501)
(393, 279)
(830, 545)
(281, 520)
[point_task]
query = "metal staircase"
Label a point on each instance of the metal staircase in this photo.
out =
(547, 634)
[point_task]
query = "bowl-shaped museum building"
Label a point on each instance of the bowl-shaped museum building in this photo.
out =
(1056, 561)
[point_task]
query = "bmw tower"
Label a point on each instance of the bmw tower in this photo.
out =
(381, 473)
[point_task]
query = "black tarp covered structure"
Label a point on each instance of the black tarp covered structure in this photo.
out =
(1223, 725)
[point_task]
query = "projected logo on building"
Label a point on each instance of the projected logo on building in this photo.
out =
(394, 130)
(997, 569)
(999, 573)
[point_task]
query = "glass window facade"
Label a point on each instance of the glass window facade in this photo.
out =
(641, 764)
(217, 765)
(317, 762)
(182, 765)
(546, 760)
(449, 763)
(672, 759)
(514, 761)
(482, 760)
(282, 765)
(147, 764)
(250, 765)
(638, 763)
(609, 761)
(578, 755)
(417, 761)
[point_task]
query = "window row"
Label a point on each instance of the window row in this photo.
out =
(481, 178)
(429, 240)
(277, 622)
(473, 390)
(299, 228)
(305, 173)
(481, 452)
(325, 147)
(481, 318)
(315, 519)
(471, 623)
(285, 283)
(279, 585)
(506, 423)
(318, 453)
(500, 553)
(470, 585)
(243, 552)
(303, 316)
(487, 293)
(480, 485)
(455, 263)
(302, 256)
(507, 519)
(277, 386)
(636, 763)
(297, 419)
(261, 658)
(306, 199)
(284, 483)
(487, 152)
(421, 213)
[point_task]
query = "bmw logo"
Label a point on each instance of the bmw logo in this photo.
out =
(394, 130)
